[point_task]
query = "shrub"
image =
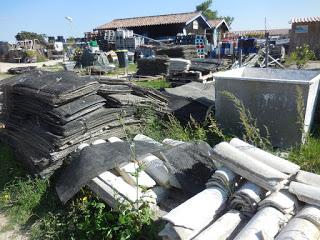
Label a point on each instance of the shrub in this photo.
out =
(301, 56)
(41, 58)
(31, 53)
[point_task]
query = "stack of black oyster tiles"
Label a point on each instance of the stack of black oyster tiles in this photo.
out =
(48, 115)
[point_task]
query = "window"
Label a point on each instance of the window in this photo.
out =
(195, 24)
(302, 29)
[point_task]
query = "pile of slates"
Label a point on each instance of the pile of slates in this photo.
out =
(178, 51)
(119, 93)
(207, 65)
(153, 66)
(177, 65)
(199, 70)
(48, 115)
(181, 78)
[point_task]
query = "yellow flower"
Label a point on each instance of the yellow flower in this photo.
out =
(6, 197)
(84, 199)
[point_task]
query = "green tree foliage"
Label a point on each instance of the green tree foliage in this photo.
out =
(210, 14)
(23, 35)
(228, 19)
(206, 11)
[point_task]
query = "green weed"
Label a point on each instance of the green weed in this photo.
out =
(301, 56)
(132, 68)
(87, 217)
(9, 167)
(307, 155)
(21, 197)
(160, 128)
(155, 84)
(252, 134)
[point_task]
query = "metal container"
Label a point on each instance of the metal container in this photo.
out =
(123, 58)
(69, 65)
(272, 97)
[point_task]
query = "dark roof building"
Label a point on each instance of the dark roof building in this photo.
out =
(169, 19)
(219, 28)
(161, 26)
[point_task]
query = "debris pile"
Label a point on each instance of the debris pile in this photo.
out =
(183, 71)
(20, 70)
(231, 198)
(122, 93)
(48, 115)
(153, 66)
(275, 59)
(192, 99)
(178, 51)
(206, 66)
(178, 65)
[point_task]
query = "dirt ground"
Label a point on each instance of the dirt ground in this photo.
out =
(5, 66)
(7, 233)
(311, 65)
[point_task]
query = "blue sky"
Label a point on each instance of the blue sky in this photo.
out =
(48, 17)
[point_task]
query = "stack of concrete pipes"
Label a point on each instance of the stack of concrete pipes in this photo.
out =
(253, 195)
(250, 197)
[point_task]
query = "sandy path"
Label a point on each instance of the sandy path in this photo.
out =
(5, 66)
(9, 234)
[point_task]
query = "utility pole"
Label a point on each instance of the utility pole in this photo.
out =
(240, 48)
(267, 43)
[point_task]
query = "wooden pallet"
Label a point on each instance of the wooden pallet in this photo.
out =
(196, 76)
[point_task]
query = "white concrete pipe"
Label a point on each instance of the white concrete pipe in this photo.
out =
(265, 224)
(248, 167)
(308, 178)
(271, 160)
(189, 218)
(284, 201)
(306, 225)
(223, 227)
(306, 193)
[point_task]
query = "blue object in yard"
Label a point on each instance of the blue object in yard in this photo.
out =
(123, 58)
(248, 45)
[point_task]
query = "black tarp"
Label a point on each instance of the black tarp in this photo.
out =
(95, 160)
(189, 162)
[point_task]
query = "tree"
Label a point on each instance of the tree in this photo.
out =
(24, 35)
(210, 14)
(228, 19)
(206, 11)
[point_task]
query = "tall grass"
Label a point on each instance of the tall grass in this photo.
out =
(20, 195)
(307, 155)
(154, 84)
(252, 134)
(169, 126)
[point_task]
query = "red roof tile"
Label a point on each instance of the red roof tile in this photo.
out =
(216, 22)
(150, 20)
(272, 32)
(305, 20)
